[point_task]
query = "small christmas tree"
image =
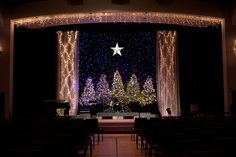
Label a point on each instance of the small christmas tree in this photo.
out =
(89, 92)
(117, 90)
(148, 94)
(103, 90)
(133, 89)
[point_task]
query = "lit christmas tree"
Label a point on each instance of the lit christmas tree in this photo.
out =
(133, 89)
(103, 90)
(117, 89)
(89, 92)
(148, 94)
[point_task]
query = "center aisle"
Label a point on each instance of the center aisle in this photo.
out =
(116, 145)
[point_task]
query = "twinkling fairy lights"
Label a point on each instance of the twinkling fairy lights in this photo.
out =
(66, 75)
(133, 89)
(148, 94)
(96, 56)
(67, 49)
(89, 92)
(117, 89)
(167, 72)
(116, 17)
(103, 91)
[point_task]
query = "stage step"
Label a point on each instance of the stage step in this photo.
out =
(113, 126)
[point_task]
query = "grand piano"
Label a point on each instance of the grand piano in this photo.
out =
(51, 107)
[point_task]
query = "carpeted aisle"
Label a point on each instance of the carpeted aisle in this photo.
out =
(116, 145)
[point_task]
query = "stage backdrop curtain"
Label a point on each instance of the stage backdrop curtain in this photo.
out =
(67, 69)
(167, 73)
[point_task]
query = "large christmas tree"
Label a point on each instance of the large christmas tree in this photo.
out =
(89, 92)
(133, 89)
(117, 89)
(103, 92)
(148, 94)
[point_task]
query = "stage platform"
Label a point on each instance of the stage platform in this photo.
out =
(117, 115)
(125, 115)
(118, 122)
(116, 126)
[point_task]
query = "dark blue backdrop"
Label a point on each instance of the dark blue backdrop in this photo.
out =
(96, 56)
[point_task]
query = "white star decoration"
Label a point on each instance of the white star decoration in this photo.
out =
(117, 49)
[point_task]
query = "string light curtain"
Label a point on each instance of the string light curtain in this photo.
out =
(67, 69)
(167, 84)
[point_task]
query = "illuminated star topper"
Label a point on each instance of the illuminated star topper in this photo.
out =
(117, 49)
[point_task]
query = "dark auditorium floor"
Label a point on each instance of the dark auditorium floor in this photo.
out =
(116, 145)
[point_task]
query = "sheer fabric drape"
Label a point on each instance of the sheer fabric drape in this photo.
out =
(67, 69)
(167, 73)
